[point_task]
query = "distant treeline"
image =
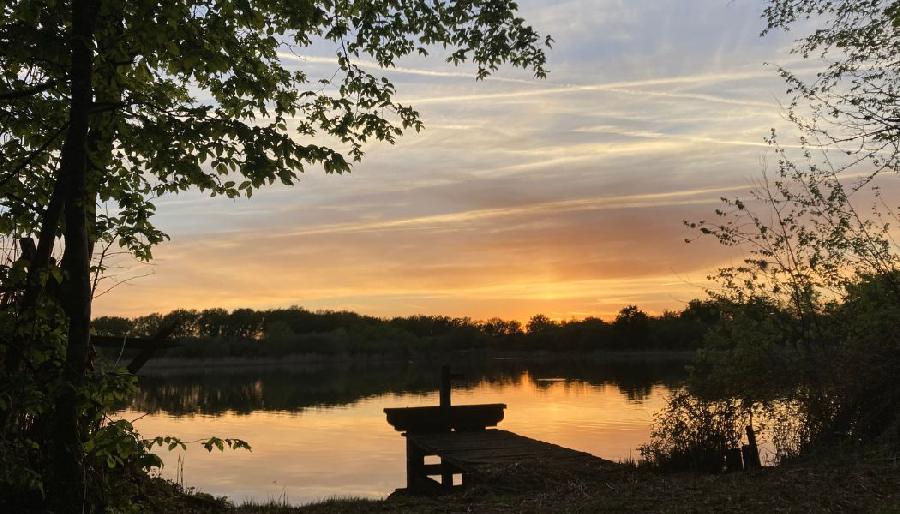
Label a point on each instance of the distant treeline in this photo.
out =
(278, 332)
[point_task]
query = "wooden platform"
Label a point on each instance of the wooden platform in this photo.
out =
(459, 437)
(443, 419)
(491, 456)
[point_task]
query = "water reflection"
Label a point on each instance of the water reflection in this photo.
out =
(292, 388)
(319, 431)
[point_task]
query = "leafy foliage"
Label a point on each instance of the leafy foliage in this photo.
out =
(694, 433)
(852, 102)
(808, 318)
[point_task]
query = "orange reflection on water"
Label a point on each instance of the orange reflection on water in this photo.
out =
(351, 450)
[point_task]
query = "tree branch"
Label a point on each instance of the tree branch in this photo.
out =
(37, 151)
(22, 93)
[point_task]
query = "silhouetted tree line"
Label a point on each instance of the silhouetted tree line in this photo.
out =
(278, 332)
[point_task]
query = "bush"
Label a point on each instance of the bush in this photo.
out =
(691, 433)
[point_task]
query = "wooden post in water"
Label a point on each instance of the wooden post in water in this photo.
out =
(445, 389)
(733, 460)
(751, 452)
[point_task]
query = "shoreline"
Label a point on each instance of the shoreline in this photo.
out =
(846, 480)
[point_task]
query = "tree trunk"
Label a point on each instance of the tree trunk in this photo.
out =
(67, 482)
(38, 265)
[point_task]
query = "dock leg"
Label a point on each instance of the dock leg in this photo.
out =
(446, 476)
(415, 466)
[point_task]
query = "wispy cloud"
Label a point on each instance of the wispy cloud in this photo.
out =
(332, 61)
(646, 134)
(669, 198)
(620, 86)
(695, 96)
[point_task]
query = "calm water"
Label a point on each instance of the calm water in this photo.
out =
(319, 431)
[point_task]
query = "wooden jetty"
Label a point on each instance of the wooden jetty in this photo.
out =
(459, 436)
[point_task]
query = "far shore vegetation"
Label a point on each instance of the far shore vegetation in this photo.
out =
(248, 333)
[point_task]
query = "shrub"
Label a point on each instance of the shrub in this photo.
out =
(691, 433)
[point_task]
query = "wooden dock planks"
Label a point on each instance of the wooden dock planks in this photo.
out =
(485, 451)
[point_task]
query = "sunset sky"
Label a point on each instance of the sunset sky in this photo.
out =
(562, 196)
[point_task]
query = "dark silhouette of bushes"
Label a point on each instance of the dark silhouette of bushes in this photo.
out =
(807, 383)
(694, 433)
(251, 333)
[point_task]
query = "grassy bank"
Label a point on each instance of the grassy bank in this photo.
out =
(849, 481)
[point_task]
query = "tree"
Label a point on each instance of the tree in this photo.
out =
(211, 322)
(497, 328)
(113, 103)
(539, 324)
(853, 102)
(631, 328)
(821, 267)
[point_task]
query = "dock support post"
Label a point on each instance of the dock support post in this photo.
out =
(415, 466)
(446, 475)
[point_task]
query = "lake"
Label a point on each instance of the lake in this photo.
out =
(318, 430)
